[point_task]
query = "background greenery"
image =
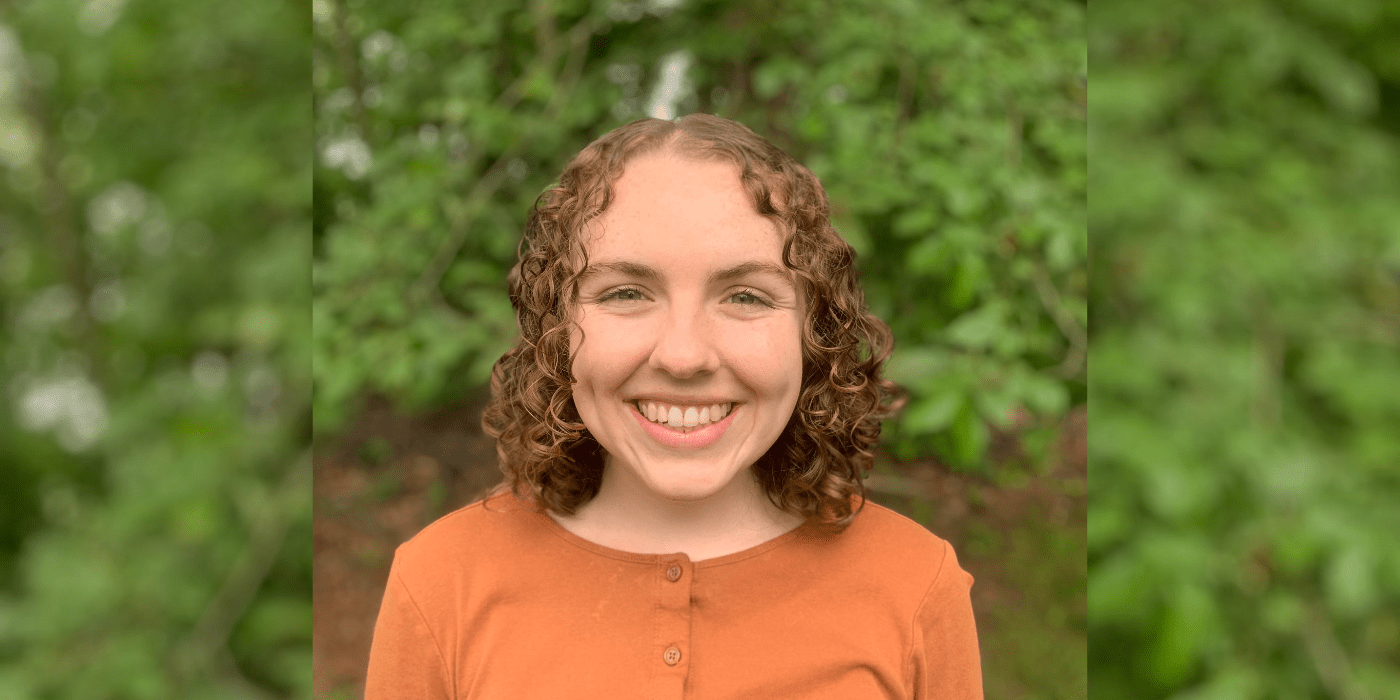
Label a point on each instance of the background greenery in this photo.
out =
(154, 528)
(949, 136)
(1245, 290)
(155, 200)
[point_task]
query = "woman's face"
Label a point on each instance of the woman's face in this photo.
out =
(689, 360)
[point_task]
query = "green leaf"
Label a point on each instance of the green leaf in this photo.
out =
(980, 328)
(933, 414)
(970, 437)
(1043, 394)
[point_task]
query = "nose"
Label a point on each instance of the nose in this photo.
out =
(685, 346)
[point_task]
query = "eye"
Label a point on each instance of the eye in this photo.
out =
(622, 294)
(749, 298)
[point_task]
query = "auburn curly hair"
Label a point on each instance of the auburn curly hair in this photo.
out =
(818, 462)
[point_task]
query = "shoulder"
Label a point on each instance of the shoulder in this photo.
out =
(887, 542)
(489, 530)
(879, 528)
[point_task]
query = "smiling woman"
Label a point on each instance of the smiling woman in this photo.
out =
(683, 427)
(677, 329)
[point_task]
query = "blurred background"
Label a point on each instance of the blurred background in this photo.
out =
(156, 368)
(951, 138)
(155, 470)
(1245, 290)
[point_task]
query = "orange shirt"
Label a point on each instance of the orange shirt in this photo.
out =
(497, 600)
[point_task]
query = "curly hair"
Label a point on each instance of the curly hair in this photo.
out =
(816, 466)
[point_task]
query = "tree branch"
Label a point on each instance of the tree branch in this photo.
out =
(202, 646)
(55, 207)
(1328, 657)
(350, 66)
(1015, 126)
(1078, 339)
(490, 181)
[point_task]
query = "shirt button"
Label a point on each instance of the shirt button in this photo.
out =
(674, 572)
(672, 656)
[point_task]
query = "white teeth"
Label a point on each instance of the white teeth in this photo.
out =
(687, 417)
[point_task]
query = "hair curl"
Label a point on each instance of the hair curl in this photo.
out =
(817, 464)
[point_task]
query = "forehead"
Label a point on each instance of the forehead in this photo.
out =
(668, 205)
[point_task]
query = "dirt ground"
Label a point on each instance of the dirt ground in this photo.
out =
(391, 474)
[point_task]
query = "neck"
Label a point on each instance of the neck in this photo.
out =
(628, 516)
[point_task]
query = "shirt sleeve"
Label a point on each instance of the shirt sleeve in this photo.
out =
(405, 659)
(946, 663)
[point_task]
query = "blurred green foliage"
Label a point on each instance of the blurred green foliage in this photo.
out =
(155, 199)
(950, 137)
(1245, 296)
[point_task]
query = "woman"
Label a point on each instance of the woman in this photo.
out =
(683, 428)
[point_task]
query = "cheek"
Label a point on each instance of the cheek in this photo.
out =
(769, 359)
(603, 356)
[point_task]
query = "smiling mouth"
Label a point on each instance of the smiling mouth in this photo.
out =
(681, 418)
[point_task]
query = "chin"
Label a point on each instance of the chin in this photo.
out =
(687, 495)
(690, 487)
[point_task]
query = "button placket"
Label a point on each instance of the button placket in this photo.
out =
(672, 657)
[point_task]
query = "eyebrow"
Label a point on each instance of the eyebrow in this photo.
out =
(650, 274)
